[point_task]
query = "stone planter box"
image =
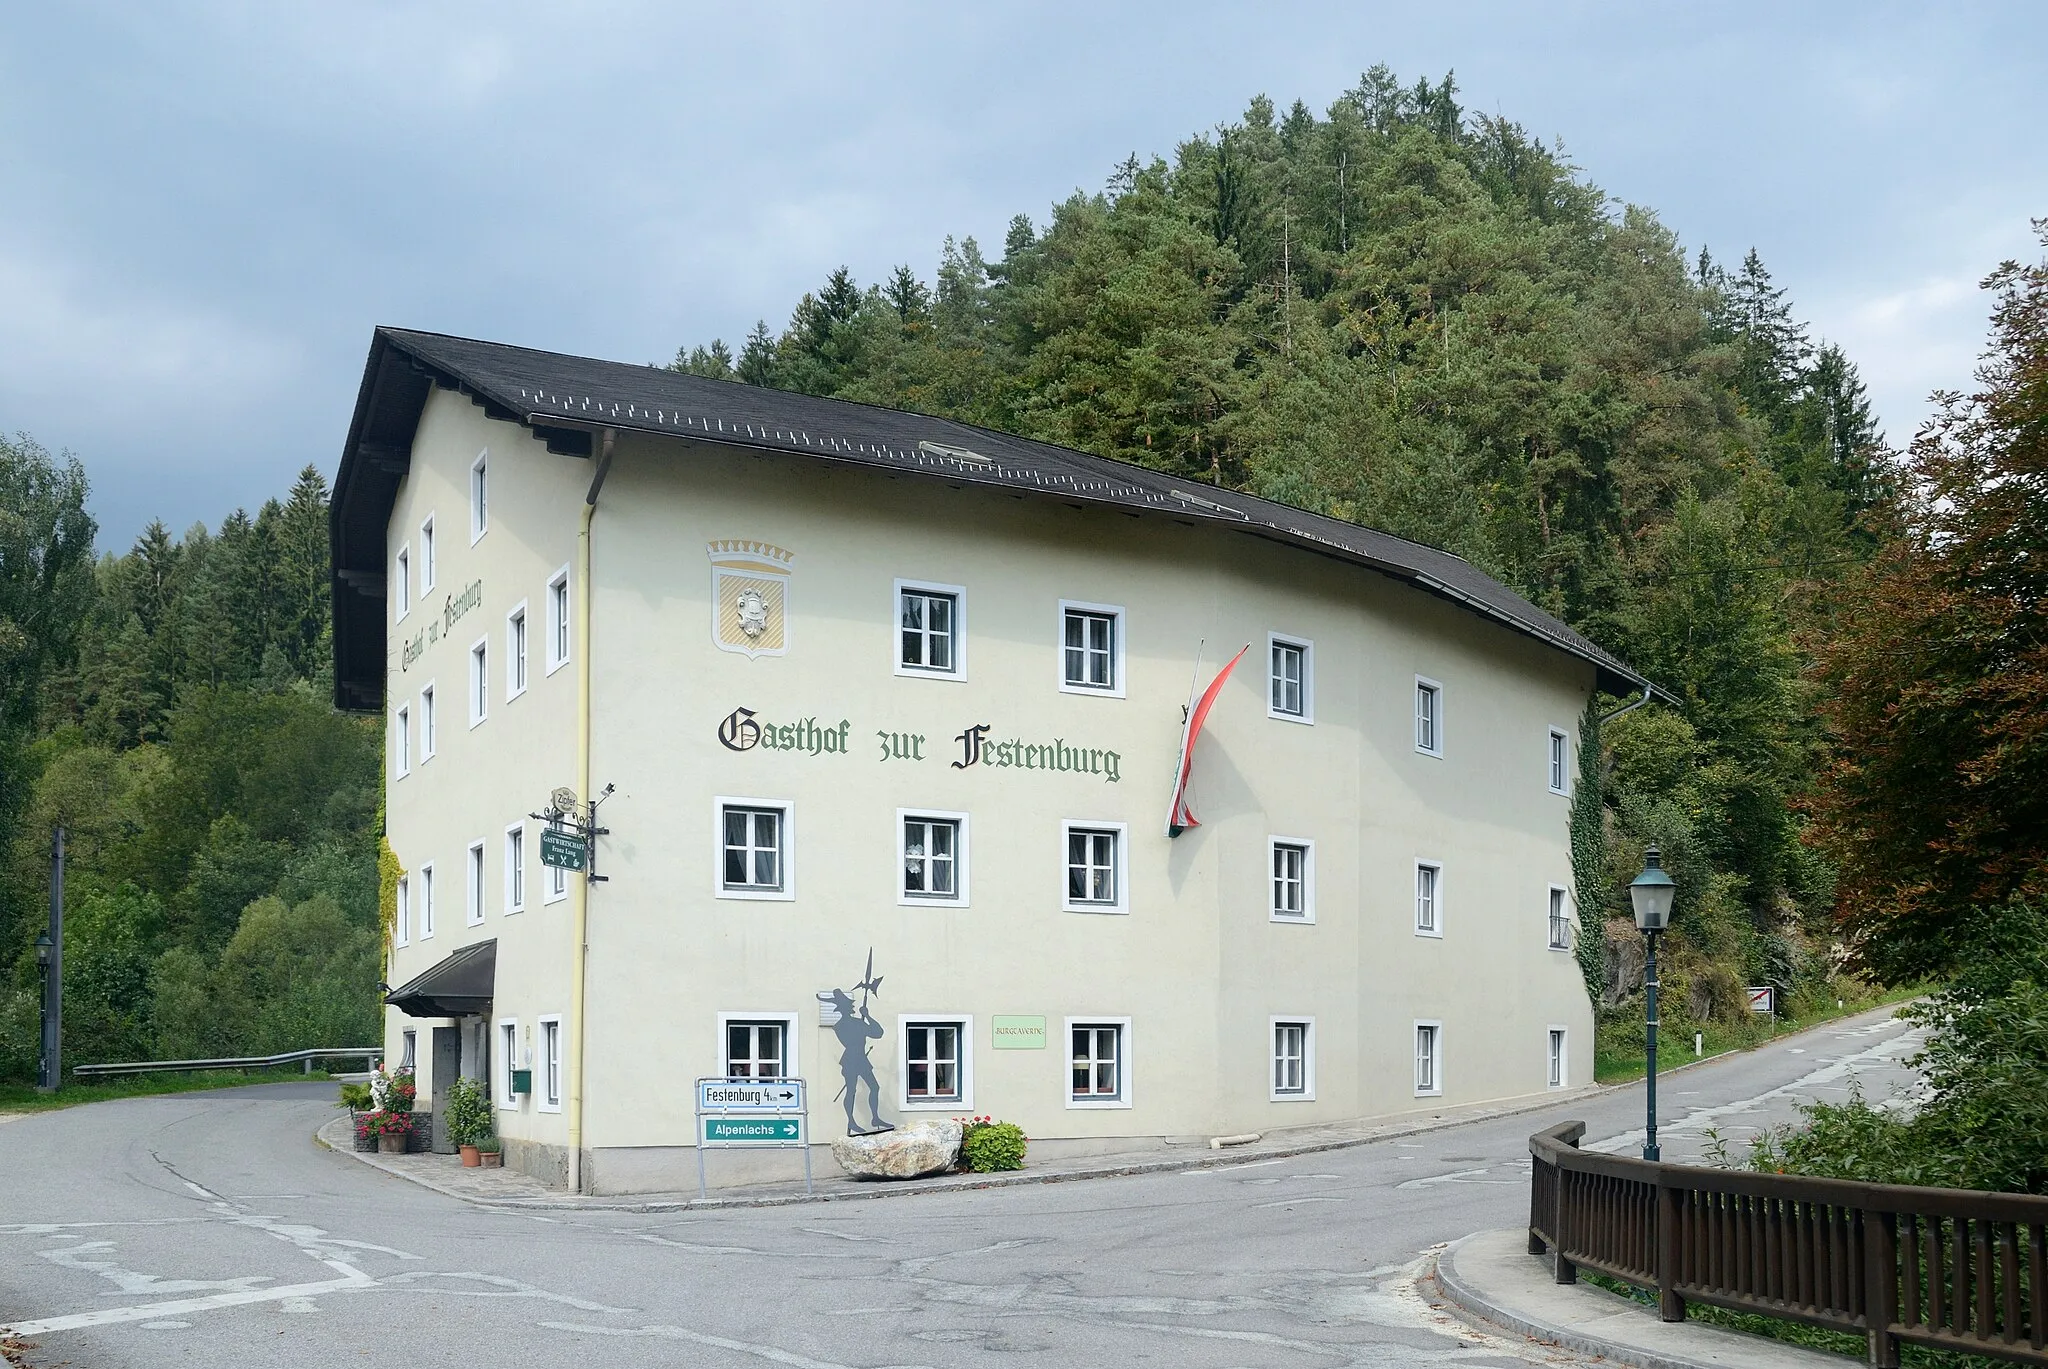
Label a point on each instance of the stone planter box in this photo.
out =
(417, 1141)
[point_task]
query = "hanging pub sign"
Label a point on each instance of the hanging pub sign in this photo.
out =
(563, 848)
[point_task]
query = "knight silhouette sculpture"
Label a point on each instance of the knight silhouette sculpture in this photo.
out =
(855, 1030)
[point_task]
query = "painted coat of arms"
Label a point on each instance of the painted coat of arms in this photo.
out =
(750, 597)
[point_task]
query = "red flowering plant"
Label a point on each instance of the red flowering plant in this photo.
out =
(393, 1091)
(383, 1123)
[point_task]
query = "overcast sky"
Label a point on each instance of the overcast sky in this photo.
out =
(207, 207)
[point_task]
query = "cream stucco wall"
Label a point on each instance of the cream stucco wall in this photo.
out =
(1195, 963)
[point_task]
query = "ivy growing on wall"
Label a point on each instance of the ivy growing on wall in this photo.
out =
(1589, 848)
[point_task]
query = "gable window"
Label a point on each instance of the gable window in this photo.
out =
(515, 653)
(1098, 1062)
(401, 583)
(515, 868)
(1293, 882)
(934, 857)
(1560, 762)
(479, 681)
(1429, 717)
(933, 1062)
(401, 729)
(550, 1064)
(753, 841)
(930, 631)
(1429, 1078)
(426, 556)
(426, 722)
(475, 905)
(1289, 684)
(1557, 1057)
(756, 1048)
(401, 918)
(1091, 648)
(1095, 875)
(1560, 921)
(479, 488)
(426, 900)
(1429, 898)
(1293, 1063)
(558, 620)
(508, 1051)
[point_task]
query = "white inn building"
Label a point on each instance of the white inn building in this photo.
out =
(890, 713)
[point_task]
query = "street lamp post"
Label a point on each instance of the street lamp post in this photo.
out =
(1651, 893)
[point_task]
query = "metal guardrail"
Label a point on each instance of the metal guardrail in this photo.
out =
(1952, 1268)
(247, 1062)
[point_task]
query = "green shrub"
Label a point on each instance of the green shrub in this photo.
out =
(469, 1112)
(990, 1146)
(356, 1097)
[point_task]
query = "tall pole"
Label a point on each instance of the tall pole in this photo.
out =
(1650, 982)
(53, 978)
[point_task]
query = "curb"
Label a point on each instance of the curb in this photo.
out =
(865, 1192)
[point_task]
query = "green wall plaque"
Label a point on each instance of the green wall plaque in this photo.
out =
(1019, 1033)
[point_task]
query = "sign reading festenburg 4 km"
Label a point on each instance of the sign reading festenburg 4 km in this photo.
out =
(750, 1095)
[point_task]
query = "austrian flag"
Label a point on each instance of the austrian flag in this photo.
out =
(1179, 818)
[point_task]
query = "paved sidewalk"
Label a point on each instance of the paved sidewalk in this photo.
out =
(511, 1189)
(1493, 1278)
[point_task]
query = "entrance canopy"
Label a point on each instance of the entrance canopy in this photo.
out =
(459, 986)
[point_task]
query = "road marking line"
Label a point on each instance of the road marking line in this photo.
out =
(767, 1352)
(354, 1278)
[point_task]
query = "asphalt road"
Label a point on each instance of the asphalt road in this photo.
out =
(210, 1229)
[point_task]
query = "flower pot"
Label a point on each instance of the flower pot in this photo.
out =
(391, 1143)
(493, 1159)
(470, 1158)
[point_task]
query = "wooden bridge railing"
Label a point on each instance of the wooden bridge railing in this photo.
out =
(1944, 1267)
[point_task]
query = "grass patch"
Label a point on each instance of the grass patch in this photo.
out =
(1849, 1344)
(24, 1098)
(1618, 1055)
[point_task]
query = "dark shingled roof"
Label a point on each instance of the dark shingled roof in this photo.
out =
(564, 399)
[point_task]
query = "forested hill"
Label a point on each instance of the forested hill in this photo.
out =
(1427, 321)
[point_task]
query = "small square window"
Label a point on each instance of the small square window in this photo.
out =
(401, 738)
(931, 636)
(1292, 885)
(1429, 1079)
(756, 1048)
(934, 1062)
(401, 583)
(753, 849)
(515, 653)
(934, 864)
(1429, 717)
(1560, 920)
(1098, 1062)
(1094, 865)
(515, 868)
(479, 489)
(558, 620)
(550, 1063)
(1429, 898)
(426, 901)
(475, 903)
(426, 557)
(1092, 648)
(1560, 762)
(1558, 1058)
(1290, 684)
(1293, 1061)
(479, 681)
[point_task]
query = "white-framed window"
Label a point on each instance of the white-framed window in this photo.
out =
(931, 630)
(508, 1060)
(515, 651)
(1290, 679)
(479, 680)
(401, 584)
(479, 492)
(401, 915)
(1291, 886)
(1091, 648)
(1093, 854)
(755, 848)
(427, 556)
(1429, 1059)
(554, 885)
(515, 868)
(1560, 1058)
(408, 1049)
(474, 906)
(558, 620)
(1429, 898)
(933, 868)
(1098, 1062)
(401, 740)
(934, 1061)
(1560, 762)
(547, 1067)
(427, 724)
(1293, 1078)
(426, 900)
(1429, 717)
(1560, 919)
(757, 1045)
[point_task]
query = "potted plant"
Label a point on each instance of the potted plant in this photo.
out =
(388, 1129)
(469, 1118)
(491, 1151)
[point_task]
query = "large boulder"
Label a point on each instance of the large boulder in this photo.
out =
(920, 1148)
